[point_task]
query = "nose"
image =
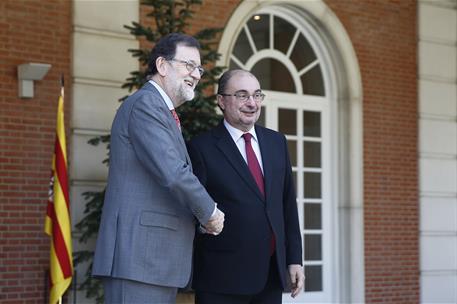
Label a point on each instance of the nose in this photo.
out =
(250, 100)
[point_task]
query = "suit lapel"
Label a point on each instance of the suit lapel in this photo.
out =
(171, 121)
(267, 159)
(230, 151)
(182, 145)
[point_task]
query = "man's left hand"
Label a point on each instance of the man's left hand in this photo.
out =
(297, 278)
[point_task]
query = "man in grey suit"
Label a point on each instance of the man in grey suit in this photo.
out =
(153, 201)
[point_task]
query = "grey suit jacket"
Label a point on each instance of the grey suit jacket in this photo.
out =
(152, 199)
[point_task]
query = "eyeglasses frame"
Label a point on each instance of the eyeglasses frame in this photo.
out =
(190, 66)
(262, 96)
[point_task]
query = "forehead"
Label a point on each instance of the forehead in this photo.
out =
(187, 53)
(244, 82)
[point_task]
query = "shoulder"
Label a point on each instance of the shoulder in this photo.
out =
(269, 133)
(145, 97)
(214, 134)
(147, 91)
(201, 138)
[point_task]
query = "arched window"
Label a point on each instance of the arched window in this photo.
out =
(279, 54)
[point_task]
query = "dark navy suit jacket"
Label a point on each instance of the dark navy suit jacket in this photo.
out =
(237, 261)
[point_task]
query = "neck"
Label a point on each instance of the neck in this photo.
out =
(242, 128)
(161, 82)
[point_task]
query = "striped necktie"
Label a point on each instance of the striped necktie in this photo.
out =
(176, 117)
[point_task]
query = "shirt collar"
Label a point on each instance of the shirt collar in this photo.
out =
(163, 94)
(237, 133)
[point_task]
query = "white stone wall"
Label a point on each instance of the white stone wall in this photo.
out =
(101, 63)
(437, 93)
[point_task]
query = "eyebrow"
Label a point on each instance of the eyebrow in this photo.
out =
(194, 62)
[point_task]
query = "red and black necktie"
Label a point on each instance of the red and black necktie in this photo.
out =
(256, 171)
(176, 117)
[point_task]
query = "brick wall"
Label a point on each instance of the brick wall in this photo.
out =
(209, 14)
(383, 33)
(384, 37)
(30, 31)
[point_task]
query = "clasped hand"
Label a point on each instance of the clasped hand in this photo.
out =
(215, 223)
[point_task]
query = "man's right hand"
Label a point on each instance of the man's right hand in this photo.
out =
(215, 223)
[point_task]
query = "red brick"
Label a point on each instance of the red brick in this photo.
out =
(25, 127)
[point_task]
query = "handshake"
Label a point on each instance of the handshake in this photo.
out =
(215, 223)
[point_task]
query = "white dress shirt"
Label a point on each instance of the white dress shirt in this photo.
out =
(237, 136)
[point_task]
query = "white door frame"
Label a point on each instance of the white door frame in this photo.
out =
(273, 102)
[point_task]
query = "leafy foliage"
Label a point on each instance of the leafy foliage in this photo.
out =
(198, 115)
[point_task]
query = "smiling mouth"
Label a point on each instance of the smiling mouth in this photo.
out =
(249, 112)
(189, 83)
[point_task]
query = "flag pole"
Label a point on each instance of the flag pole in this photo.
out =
(62, 85)
(62, 90)
(57, 221)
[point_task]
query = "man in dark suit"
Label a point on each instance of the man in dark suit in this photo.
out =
(153, 200)
(246, 169)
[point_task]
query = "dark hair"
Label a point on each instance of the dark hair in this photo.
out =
(225, 78)
(166, 48)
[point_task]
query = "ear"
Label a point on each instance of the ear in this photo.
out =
(220, 102)
(162, 67)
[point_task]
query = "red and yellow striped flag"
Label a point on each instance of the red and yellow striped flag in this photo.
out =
(57, 223)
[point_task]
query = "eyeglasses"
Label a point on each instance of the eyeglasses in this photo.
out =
(190, 66)
(243, 96)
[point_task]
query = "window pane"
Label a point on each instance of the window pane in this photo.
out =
(312, 82)
(313, 247)
(303, 54)
(242, 49)
(312, 184)
(234, 66)
(313, 216)
(312, 154)
(284, 32)
(292, 147)
(273, 75)
(287, 121)
(259, 26)
(311, 124)
(313, 274)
